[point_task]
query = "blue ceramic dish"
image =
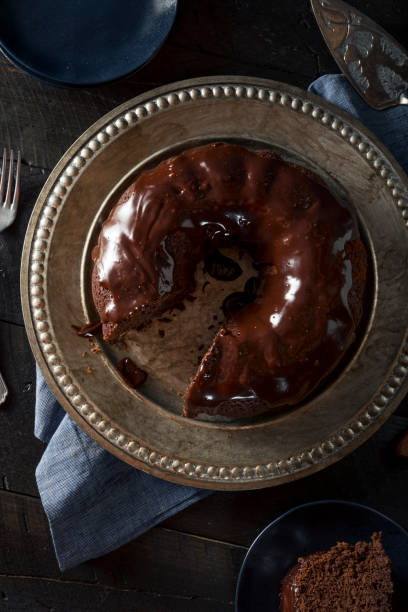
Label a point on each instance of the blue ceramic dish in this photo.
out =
(311, 528)
(78, 43)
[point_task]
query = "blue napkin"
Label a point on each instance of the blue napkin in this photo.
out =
(95, 502)
(390, 126)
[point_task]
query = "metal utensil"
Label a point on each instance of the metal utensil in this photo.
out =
(372, 60)
(8, 211)
(8, 206)
(3, 390)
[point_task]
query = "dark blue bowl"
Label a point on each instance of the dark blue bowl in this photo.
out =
(78, 43)
(311, 528)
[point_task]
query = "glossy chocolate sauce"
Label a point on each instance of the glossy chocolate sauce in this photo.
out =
(88, 330)
(131, 373)
(221, 267)
(289, 590)
(276, 348)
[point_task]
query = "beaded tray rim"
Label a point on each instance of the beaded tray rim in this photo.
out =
(34, 298)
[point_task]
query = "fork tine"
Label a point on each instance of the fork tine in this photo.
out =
(16, 196)
(3, 176)
(10, 180)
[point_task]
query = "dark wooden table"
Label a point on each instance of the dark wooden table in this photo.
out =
(190, 562)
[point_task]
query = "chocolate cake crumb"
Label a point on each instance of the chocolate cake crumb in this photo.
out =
(161, 333)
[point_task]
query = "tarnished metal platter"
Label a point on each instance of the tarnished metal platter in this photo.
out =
(145, 428)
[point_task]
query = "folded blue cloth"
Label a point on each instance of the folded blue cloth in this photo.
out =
(95, 502)
(390, 126)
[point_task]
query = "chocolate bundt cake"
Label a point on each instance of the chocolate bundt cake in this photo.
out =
(305, 244)
(350, 578)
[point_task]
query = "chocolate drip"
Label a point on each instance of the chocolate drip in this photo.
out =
(252, 286)
(88, 330)
(221, 267)
(235, 301)
(131, 374)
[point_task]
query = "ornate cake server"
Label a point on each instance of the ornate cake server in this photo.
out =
(372, 60)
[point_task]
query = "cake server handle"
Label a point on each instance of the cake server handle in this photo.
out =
(371, 59)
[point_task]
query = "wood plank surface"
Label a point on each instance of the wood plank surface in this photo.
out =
(276, 40)
(19, 450)
(372, 475)
(11, 245)
(213, 533)
(191, 561)
(42, 595)
(163, 562)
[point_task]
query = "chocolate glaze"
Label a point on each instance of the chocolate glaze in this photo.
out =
(221, 267)
(252, 286)
(276, 349)
(289, 590)
(88, 330)
(130, 373)
(236, 301)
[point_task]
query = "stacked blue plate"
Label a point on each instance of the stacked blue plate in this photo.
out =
(79, 43)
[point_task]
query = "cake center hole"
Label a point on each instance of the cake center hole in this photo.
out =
(223, 268)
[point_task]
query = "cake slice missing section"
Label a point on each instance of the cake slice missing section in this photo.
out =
(351, 578)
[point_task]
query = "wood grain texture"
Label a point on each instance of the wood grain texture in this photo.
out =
(19, 450)
(277, 40)
(42, 595)
(11, 245)
(190, 563)
(372, 475)
(184, 569)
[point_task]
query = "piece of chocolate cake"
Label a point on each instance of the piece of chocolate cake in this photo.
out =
(349, 578)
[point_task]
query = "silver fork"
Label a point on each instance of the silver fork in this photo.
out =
(8, 206)
(8, 210)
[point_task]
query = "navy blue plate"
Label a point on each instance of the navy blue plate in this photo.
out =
(77, 43)
(311, 528)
